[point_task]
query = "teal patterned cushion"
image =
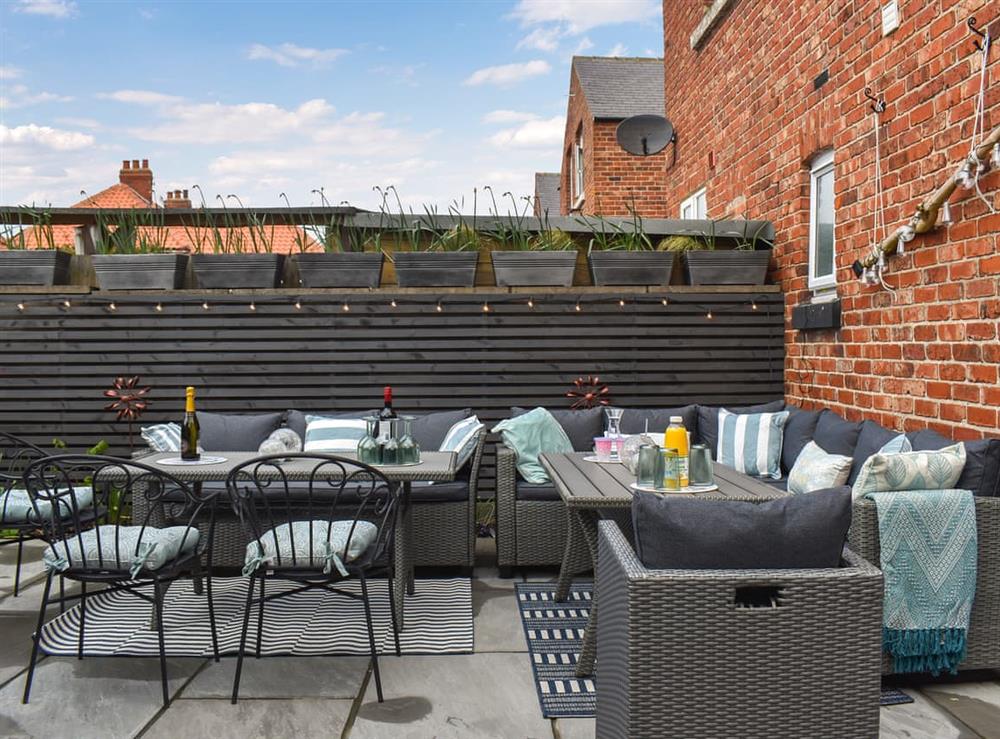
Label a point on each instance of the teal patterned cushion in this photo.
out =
(134, 548)
(325, 547)
(16, 508)
(929, 470)
(814, 469)
(751, 443)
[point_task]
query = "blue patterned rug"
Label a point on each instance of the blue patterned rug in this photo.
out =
(554, 632)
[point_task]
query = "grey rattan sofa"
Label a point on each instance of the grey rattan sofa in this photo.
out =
(677, 657)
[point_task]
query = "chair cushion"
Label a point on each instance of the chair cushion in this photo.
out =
(462, 438)
(708, 420)
(163, 437)
(835, 435)
(580, 426)
(16, 508)
(430, 429)
(530, 434)
(873, 439)
(234, 432)
(532, 491)
(791, 532)
(333, 435)
(311, 545)
(925, 470)
(634, 419)
(981, 474)
(751, 442)
(799, 430)
(439, 492)
(816, 470)
(296, 420)
(135, 548)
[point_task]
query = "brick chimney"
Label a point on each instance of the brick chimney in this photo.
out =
(177, 199)
(139, 178)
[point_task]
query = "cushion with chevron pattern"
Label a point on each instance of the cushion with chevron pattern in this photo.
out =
(928, 470)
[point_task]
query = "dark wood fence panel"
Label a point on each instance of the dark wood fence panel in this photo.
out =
(56, 361)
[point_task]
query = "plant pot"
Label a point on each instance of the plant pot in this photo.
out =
(631, 267)
(139, 271)
(34, 267)
(531, 268)
(238, 270)
(436, 269)
(340, 269)
(727, 267)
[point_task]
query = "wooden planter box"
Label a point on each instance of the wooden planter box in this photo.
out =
(139, 271)
(531, 268)
(34, 267)
(436, 269)
(631, 267)
(727, 267)
(238, 270)
(340, 269)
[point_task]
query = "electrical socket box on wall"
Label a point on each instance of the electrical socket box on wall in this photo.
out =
(890, 17)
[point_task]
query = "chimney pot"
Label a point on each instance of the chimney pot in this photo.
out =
(145, 164)
(125, 163)
(135, 164)
(185, 194)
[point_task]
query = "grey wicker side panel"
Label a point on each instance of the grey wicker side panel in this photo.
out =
(441, 535)
(506, 499)
(541, 532)
(701, 667)
(984, 625)
(613, 639)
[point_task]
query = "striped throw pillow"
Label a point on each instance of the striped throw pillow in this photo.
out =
(751, 443)
(462, 439)
(333, 434)
(164, 437)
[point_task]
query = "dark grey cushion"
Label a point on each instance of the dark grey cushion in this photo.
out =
(796, 531)
(872, 438)
(296, 420)
(799, 430)
(580, 426)
(429, 429)
(529, 491)
(439, 492)
(634, 419)
(233, 432)
(708, 420)
(981, 473)
(836, 435)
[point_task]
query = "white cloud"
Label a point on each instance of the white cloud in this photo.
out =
(508, 74)
(8, 72)
(215, 123)
(618, 49)
(291, 55)
(404, 74)
(543, 39)
(585, 45)
(508, 116)
(44, 137)
(91, 123)
(22, 97)
(140, 97)
(532, 134)
(576, 17)
(51, 8)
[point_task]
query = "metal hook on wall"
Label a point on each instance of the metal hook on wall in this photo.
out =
(983, 34)
(878, 104)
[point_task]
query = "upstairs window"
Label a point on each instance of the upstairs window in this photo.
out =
(695, 207)
(822, 262)
(578, 168)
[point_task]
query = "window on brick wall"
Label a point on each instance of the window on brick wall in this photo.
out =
(578, 168)
(695, 206)
(822, 262)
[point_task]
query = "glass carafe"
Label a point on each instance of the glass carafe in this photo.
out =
(614, 431)
(409, 452)
(368, 449)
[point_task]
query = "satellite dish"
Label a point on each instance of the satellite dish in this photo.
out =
(644, 135)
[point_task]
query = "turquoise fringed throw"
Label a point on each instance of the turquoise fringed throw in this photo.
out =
(928, 558)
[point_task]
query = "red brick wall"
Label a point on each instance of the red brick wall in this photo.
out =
(613, 179)
(929, 357)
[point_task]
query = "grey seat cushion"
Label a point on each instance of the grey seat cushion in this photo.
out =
(795, 531)
(634, 419)
(529, 491)
(580, 426)
(708, 420)
(781, 484)
(296, 420)
(236, 432)
(981, 473)
(429, 429)
(836, 435)
(872, 438)
(439, 492)
(799, 430)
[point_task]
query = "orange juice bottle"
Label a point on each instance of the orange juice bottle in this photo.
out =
(676, 437)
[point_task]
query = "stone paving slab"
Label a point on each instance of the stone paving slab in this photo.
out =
(922, 719)
(975, 704)
(31, 567)
(16, 630)
(282, 678)
(574, 728)
(495, 617)
(304, 718)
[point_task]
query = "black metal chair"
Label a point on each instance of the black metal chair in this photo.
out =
(16, 513)
(334, 521)
(117, 553)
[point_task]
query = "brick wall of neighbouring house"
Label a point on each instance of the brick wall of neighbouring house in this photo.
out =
(613, 178)
(929, 357)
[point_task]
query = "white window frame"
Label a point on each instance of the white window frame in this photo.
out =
(690, 205)
(821, 165)
(578, 169)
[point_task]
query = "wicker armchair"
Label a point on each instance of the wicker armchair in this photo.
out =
(983, 642)
(678, 656)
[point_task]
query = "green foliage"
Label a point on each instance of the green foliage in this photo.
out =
(749, 241)
(15, 235)
(552, 240)
(679, 243)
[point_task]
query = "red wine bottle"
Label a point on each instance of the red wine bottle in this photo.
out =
(385, 416)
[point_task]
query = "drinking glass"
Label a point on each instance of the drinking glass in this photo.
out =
(602, 447)
(368, 450)
(389, 446)
(700, 466)
(409, 452)
(671, 471)
(649, 472)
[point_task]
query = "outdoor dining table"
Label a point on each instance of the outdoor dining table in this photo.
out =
(433, 467)
(595, 490)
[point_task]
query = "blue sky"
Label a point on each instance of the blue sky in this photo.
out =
(259, 98)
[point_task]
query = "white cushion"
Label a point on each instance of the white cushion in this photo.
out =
(814, 469)
(164, 437)
(333, 434)
(462, 439)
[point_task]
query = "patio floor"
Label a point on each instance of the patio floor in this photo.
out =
(487, 694)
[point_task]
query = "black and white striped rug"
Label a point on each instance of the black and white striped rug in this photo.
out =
(438, 620)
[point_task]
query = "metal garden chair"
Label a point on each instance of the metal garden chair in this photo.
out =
(16, 512)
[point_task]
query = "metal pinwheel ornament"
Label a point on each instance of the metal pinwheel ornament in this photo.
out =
(589, 392)
(128, 400)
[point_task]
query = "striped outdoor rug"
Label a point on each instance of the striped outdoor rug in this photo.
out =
(438, 620)
(554, 632)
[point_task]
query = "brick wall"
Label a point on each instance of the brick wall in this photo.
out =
(929, 357)
(613, 179)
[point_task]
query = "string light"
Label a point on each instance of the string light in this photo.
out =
(158, 307)
(621, 302)
(66, 304)
(298, 305)
(486, 307)
(439, 307)
(664, 302)
(253, 306)
(112, 307)
(578, 308)
(205, 305)
(345, 307)
(753, 305)
(709, 315)
(20, 307)
(531, 304)
(393, 303)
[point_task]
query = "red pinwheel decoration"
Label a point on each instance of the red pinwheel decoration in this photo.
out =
(589, 392)
(129, 400)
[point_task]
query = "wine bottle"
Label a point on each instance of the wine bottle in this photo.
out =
(189, 428)
(385, 416)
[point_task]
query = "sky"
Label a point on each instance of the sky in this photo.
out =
(257, 99)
